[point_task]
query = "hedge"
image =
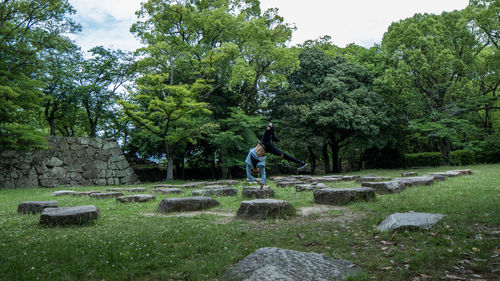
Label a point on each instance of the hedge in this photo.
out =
(423, 159)
(462, 157)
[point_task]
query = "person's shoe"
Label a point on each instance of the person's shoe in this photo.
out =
(302, 166)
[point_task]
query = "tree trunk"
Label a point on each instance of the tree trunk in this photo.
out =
(312, 159)
(334, 146)
(445, 148)
(326, 158)
(170, 163)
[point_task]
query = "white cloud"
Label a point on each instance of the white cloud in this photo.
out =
(107, 22)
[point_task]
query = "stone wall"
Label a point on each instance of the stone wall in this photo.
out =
(67, 162)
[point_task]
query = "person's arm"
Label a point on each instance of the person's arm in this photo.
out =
(249, 173)
(262, 175)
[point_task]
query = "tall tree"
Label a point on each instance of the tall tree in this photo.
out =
(26, 28)
(100, 79)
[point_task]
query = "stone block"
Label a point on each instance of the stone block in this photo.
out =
(414, 181)
(135, 198)
(409, 174)
(256, 192)
(226, 191)
(409, 221)
(385, 186)
(343, 196)
(106, 195)
(269, 264)
(69, 215)
(35, 207)
(167, 190)
(261, 209)
(63, 192)
(186, 204)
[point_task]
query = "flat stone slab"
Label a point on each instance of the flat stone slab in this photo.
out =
(269, 264)
(164, 186)
(437, 177)
(261, 209)
(133, 189)
(106, 195)
(409, 174)
(69, 215)
(288, 183)
(227, 182)
(385, 186)
(135, 198)
(323, 179)
(414, 181)
(343, 196)
(349, 178)
(410, 221)
(225, 191)
(309, 187)
(63, 192)
(35, 207)
(186, 204)
(256, 192)
(167, 190)
(372, 179)
(463, 172)
(86, 193)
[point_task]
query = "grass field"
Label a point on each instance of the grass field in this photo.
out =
(134, 242)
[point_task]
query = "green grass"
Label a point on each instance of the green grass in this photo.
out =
(134, 242)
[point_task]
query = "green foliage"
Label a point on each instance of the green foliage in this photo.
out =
(462, 157)
(27, 28)
(489, 149)
(423, 159)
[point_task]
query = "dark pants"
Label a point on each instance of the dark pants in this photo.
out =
(270, 148)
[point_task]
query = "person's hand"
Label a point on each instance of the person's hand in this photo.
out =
(270, 124)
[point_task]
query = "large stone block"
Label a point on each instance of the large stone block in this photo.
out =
(257, 192)
(270, 264)
(261, 209)
(410, 220)
(35, 207)
(224, 191)
(343, 196)
(69, 215)
(167, 190)
(106, 195)
(135, 198)
(186, 204)
(414, 181)
(385, 186)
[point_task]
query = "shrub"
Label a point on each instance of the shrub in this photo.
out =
(462, 157)
(423, 159)
(489, 149)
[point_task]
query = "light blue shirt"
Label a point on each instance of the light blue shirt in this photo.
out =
(261, 164)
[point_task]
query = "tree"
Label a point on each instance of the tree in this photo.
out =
(167, 111)
(100, 78)
(429, 59)
(335, 98)
(26, 28)
(59, 77)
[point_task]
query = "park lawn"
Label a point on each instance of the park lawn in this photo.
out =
(134, 242)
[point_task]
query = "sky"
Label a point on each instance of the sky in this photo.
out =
(363, 22)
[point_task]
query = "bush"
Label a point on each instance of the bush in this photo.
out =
(423, 159)
(489, 149)
(462, 157)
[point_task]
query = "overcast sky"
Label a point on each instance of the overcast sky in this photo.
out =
(107, 22)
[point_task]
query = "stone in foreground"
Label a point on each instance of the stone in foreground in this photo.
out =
(372, 178)
(256, 192)
(69, 215)
(409, 220)
(261, 209)
(385, 186)
(135, 198)
(186, 204)
(343, 196)
(269, 264)
(35, 207)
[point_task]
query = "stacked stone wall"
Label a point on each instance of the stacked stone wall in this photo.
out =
(67, 162)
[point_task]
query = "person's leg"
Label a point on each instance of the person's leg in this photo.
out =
(272, 149)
